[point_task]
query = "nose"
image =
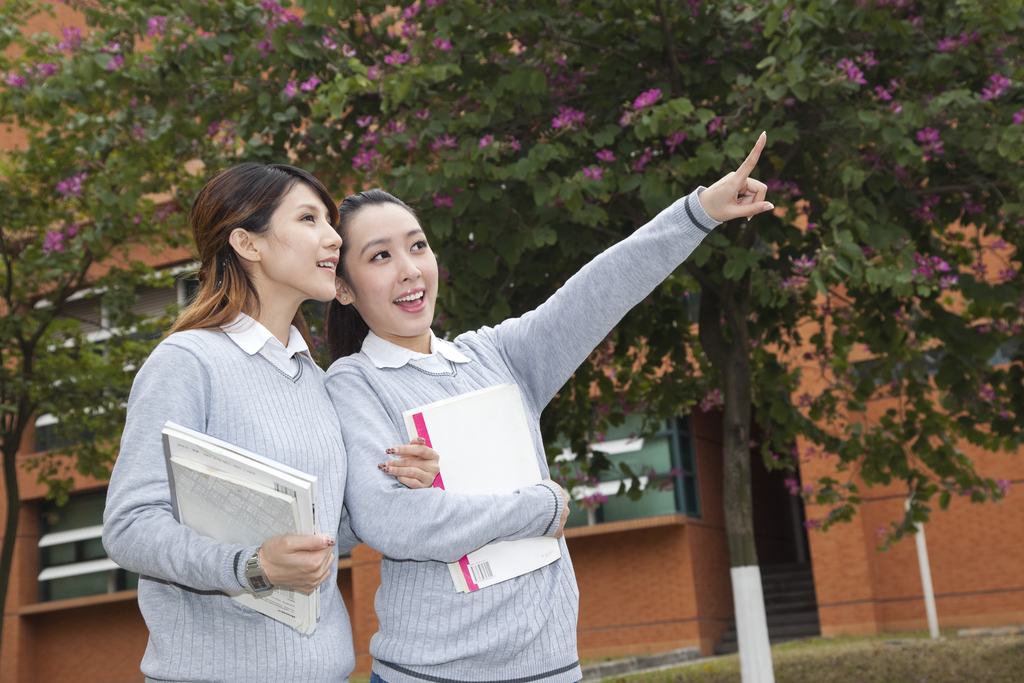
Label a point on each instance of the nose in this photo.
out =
(408, 270)
(331, 239)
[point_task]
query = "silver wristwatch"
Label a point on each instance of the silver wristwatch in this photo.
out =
(258, 582)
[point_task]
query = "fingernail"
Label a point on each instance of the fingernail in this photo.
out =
(764, 132)
(330, 542)
(770, 206)
(420, 440)
(385, 468)
(381, 465)
(390, 451)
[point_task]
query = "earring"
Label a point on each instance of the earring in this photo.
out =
(344, 298)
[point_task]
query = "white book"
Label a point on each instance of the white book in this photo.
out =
(236, 496)
(485, 445)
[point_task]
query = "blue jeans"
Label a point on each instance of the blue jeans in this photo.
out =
(374, 678)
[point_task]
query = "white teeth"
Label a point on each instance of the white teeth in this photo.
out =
(325, 264)
(411, 297)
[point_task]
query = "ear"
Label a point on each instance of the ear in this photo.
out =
(243, 244)
(343, 293)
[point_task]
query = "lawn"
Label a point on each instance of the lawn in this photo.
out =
(997, 659)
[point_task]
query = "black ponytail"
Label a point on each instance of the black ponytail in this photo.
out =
(344, 327)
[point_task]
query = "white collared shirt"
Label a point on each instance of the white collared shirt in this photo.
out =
(252, 337)
(384, 354)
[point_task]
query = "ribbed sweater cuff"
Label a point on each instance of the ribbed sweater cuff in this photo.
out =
(237, 569)
(689, 213)
(553, 506)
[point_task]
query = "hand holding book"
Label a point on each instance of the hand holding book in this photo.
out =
(299, 563)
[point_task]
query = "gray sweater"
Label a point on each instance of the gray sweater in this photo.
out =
(523, 629)
(203, 380)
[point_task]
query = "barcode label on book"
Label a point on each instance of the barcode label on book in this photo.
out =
(480, 571)
(281, 488)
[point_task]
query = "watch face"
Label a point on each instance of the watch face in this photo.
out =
(258, 583)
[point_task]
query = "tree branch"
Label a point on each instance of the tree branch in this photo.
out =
(673, 63)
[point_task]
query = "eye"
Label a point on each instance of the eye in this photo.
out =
(309, 217)
(381, 255)
(420, 245)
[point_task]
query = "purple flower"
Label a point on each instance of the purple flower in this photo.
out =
(413, 141)
(896, 107)
(72, 39)
(442, 200)
(372, 73)
(792, 485)
(371, 138)
(514, 144)
(853, 72)
(1019, 117)
(442, 44)
(290, 89)
(72, 187)
(486, 141)
(1003, 485)
(265, 47)
(626, 119)
(157, 26)
(409, 30)
(647, 99)
(930, 143)
(329, 44)
(116, 63)
(711, 399)
(868, 60)
(54, 241)
(1007, 274)
(348, 51)
(310, 85)
(422, 114)
(47, 70)
(396, 58)
(434, 3)
(228, 58)
(567, 117)
(997, 84)
(592, 172)
(364, 159)
(410, 12)
(882, 94)
(445, 140)
(803, 265)
(364, 121)
(674, 141)
(715, 125)
(947, 281)
(15, 81)
(641, 162)
(605, 155)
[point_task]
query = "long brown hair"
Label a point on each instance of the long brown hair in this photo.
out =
(243, 196)
(344, 327)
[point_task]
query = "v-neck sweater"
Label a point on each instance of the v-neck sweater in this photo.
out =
(523, 629)
(203, 380)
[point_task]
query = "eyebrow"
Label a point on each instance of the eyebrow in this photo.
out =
(308, 205)
(386, 240)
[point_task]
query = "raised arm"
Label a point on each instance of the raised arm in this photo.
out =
(428, 524)
(545, 346)
(139, 531)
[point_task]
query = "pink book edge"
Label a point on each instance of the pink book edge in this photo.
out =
(421, 431)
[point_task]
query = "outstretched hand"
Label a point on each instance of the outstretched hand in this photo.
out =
(737, 195)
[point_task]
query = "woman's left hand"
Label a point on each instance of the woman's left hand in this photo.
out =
(416, 467)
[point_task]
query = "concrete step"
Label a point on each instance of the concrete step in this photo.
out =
(790, 607)
(806, 630)
(786, 597)
(809, 617)
(790, 585)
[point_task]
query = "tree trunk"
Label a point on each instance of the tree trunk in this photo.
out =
(733, 360)
(11, 525)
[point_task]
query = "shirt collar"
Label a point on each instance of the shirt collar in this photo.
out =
(251, 336)
(385, 354)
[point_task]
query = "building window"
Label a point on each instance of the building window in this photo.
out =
(671, 449)
(72, 560)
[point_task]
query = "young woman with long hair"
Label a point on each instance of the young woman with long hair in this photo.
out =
(236, 366)
(387, 360)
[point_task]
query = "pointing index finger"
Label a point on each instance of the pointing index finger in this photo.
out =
(751, 161)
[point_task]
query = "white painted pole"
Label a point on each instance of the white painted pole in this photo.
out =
(751, 625)
(926, 579)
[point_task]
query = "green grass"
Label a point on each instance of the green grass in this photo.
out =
(893, 658)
